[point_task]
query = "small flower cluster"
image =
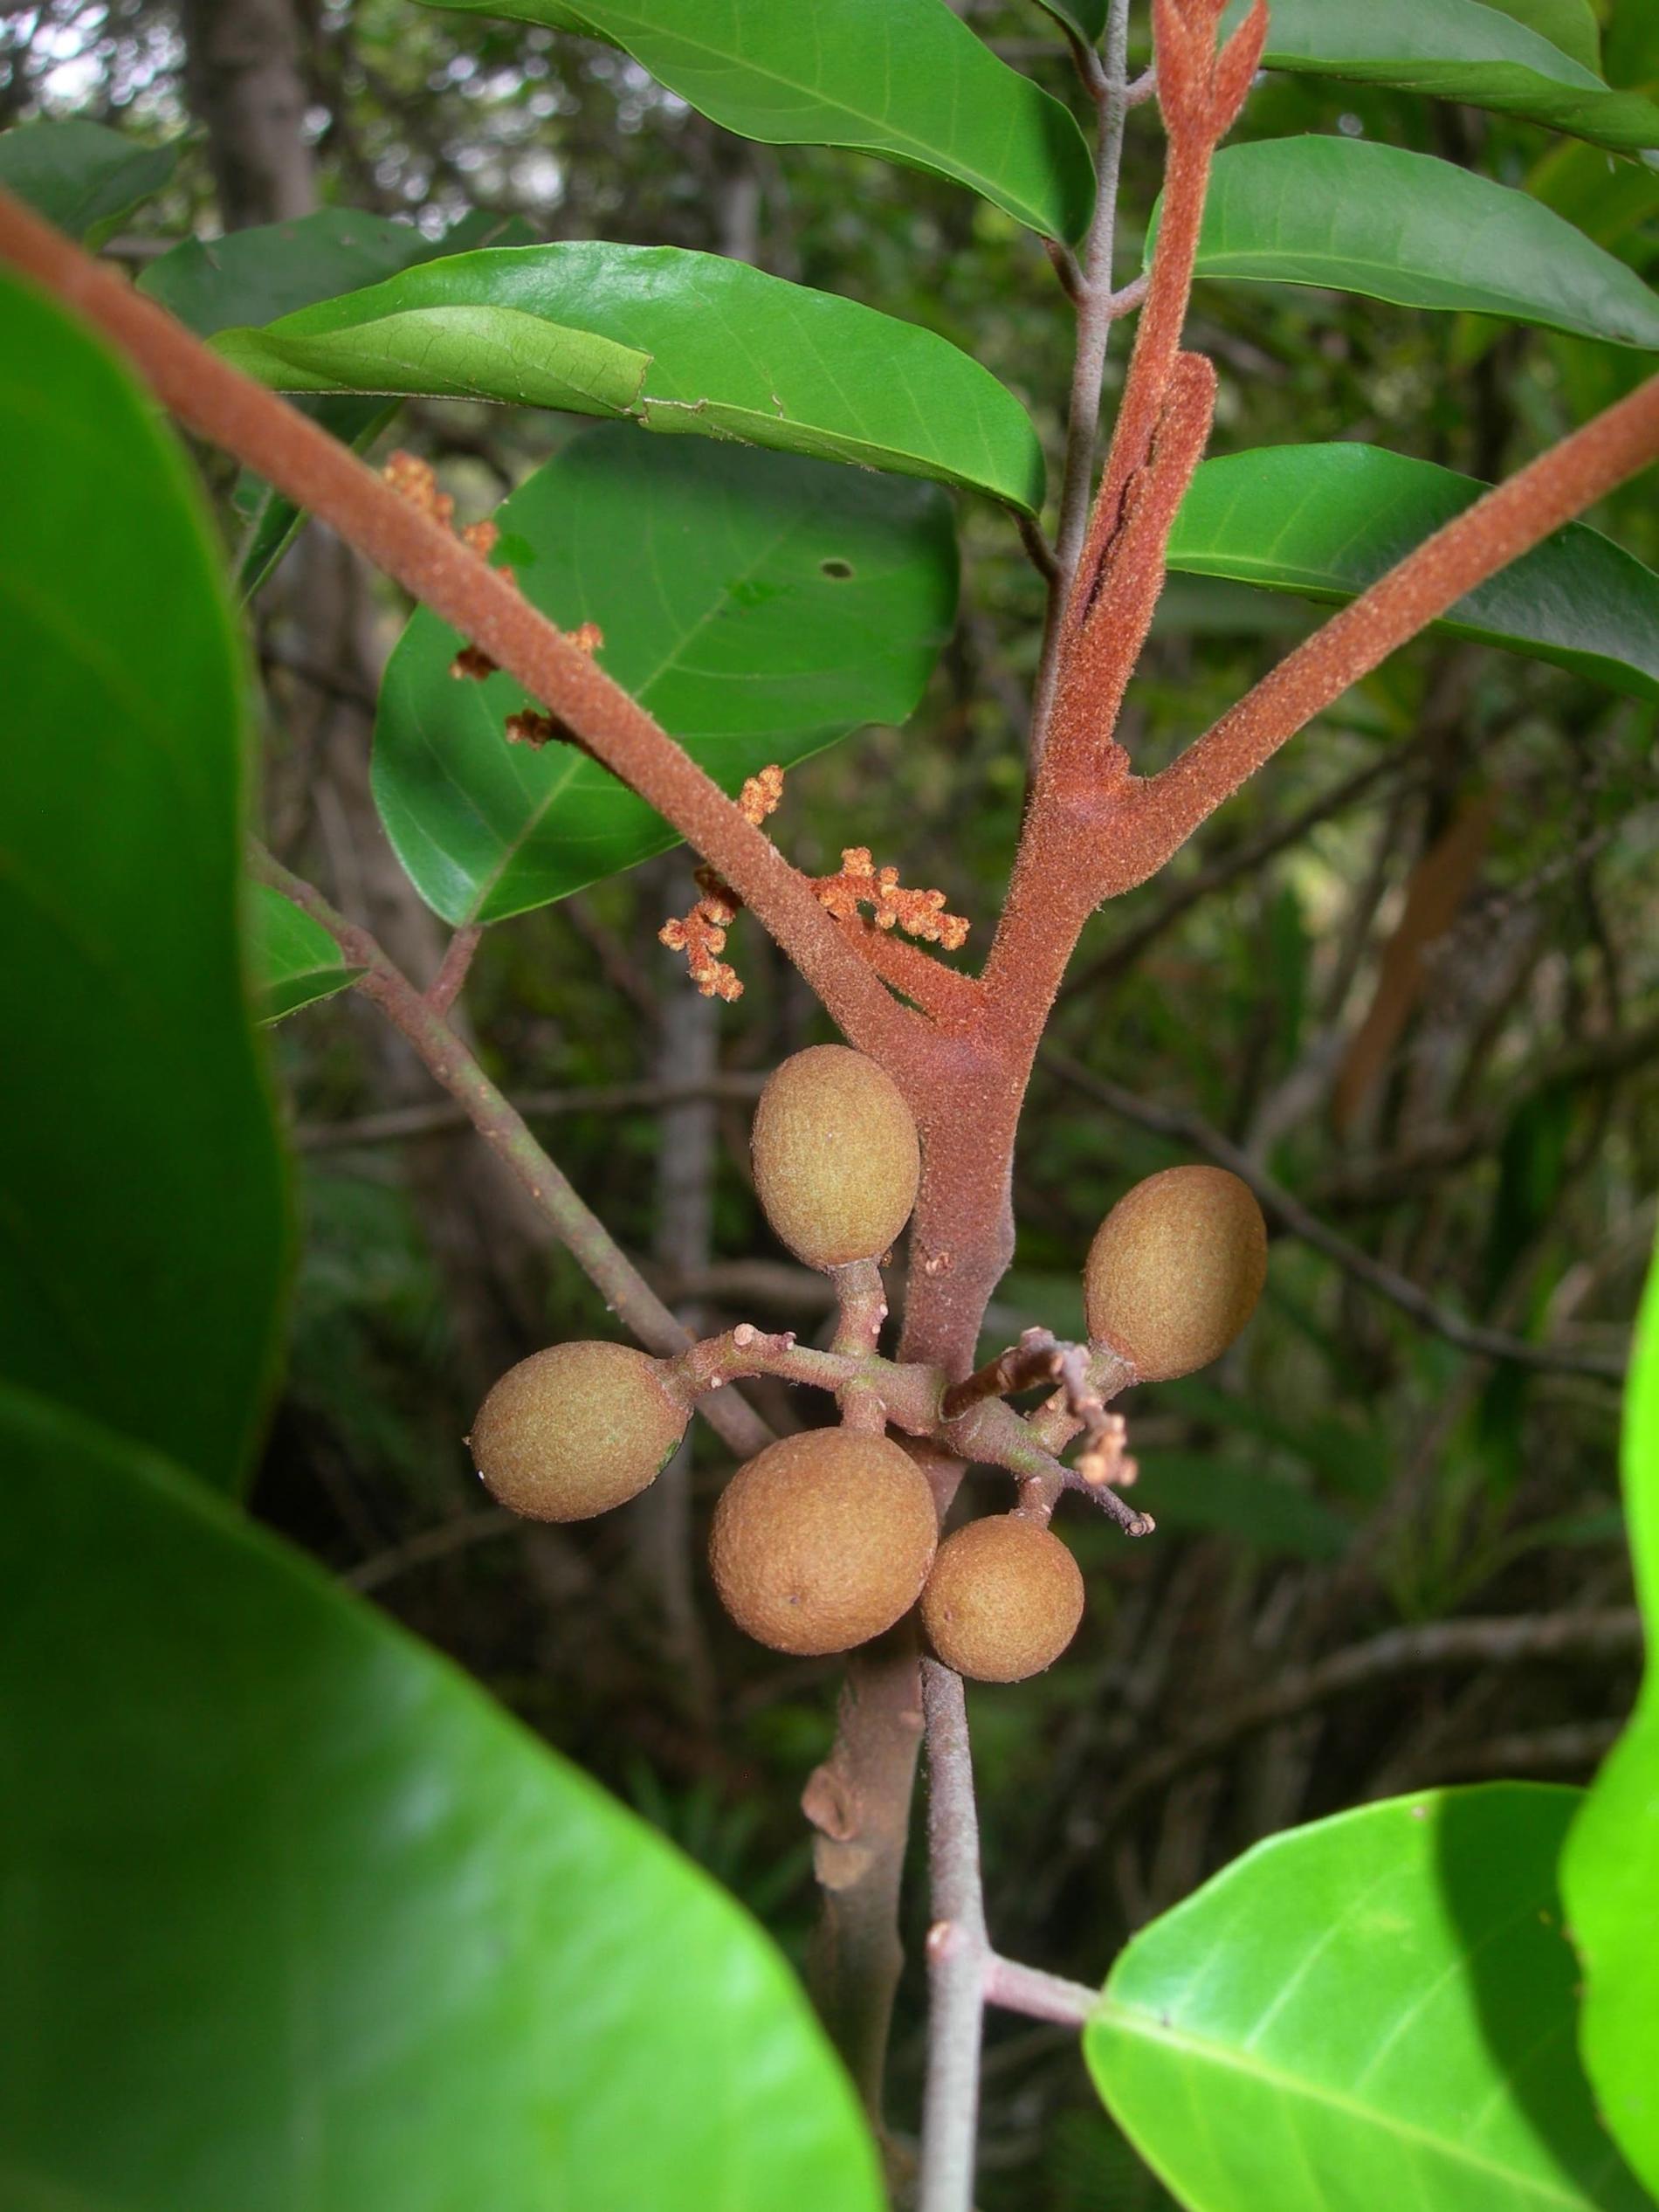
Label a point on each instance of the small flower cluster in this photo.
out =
(919, 914)
(701, 933)
(415, 481)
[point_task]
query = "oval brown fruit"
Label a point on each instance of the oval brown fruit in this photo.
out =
(575, 1429)
(823, 1540)
(836, 1159)
(1175, 1269)
(1003, 1600)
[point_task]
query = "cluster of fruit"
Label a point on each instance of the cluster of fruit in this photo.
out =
(828, 1538)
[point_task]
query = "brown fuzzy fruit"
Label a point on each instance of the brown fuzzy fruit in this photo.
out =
(823, 1540)
(836, 1161)
(573, 1430)
(1175, 1269)
(1003, 1600)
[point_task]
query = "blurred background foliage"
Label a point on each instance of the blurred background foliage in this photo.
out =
(1412, 973)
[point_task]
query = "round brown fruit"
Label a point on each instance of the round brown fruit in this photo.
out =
(575, 1429)
(837, 1159)
(1175, 1269)
(1003, 1600)
(823, 1540)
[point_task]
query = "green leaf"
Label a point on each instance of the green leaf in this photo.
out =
(294, 960)
(444, 346)
(758, 605)
(142, 1223)
(1374, 2011)
(1355, 216)
(1325, 520)
(709, 346)
(86, 179)
(310, 1922)
(1610, 1870)
(253, 276)
(1458, 50)
(1569, 24)
(906, 79)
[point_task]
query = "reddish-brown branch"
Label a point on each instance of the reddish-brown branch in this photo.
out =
(458, 954)
(1104, 636)
(943, 993)
(1146, 822)
(323, 477)
(1200, 93)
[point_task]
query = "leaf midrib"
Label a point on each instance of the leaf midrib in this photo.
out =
(1228, 2058)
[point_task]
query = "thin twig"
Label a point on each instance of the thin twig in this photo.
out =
(446, 986)
(1294, 1217)
(958, 1951)
(1095, 320)
(402, 1123)
(1613, 1633)
(861, 1306)
(576, 1227)
(450, 1536)
(1038, 1994)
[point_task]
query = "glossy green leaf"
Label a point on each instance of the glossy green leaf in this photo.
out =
(702, 344)
(293, 960)
(301, 1921)
(86, 179)
(1457, 50)
(255, 275)
(445, 347)
(758, 605)
(1373, 2012)
(907, 79)
(1569, 24)
(1355, 216)
(1610, 1870)
(142, 1222)
(1325, 520)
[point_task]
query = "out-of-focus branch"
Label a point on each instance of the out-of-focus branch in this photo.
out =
(406, 1122)
(1613, 1634)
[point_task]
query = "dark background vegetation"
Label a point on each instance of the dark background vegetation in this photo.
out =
(1412, 973)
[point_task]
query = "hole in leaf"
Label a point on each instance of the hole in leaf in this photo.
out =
(838, 570)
